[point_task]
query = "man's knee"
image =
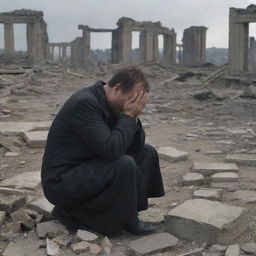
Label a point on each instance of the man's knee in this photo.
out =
(126, 162)
(150, 149)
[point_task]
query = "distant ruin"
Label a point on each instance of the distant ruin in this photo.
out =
(37, 38)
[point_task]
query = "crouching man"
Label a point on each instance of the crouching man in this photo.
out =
(97, 169)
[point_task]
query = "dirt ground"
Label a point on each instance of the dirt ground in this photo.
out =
(173, 117)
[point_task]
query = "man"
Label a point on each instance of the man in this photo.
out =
(96, 169)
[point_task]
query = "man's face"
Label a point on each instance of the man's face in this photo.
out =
(119, 98)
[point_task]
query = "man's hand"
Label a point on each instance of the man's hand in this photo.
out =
(134, 106)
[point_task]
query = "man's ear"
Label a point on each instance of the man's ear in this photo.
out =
(118, 88)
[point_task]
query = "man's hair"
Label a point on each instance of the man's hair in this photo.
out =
(128, 77)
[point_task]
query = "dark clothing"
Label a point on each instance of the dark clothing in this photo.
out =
(96, 165)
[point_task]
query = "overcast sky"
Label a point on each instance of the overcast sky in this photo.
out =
(63, 17)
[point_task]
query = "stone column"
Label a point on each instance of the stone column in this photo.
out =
(9, 38)
(121, 46)
(238, 44)
(64, 52)
(194, 46)
(148, 46)
(170, 48)
(252, 54)
(52, 55)
(87, 43)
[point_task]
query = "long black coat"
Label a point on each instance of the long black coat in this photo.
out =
(96, 165)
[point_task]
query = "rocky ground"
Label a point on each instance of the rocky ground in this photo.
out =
(206, 138)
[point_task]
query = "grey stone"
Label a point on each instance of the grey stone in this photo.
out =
(233, 250)
(152, 215)
(106, 245)
(249, 248)
(206, 221)
(52, 248)
(63, 240)
(36, 139)
(242, 159)
(81, 247)
(94, 249)
(2, 218)
(12, 191)
(212, 168)
(172, 154)
(11, 154)
(28, 246)
(209, 254)
(228, 186)
(15, 128)
(225, 177)
(208, 193)
(26, 180)
(247, 196)
(87, 236)
(42, 205)
(21, 216)
(11, 203)
(50, 229)
(193, 179)
(153, 244)
(218, 248)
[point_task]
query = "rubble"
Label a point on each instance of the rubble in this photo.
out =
(172, 154)
(50, 229)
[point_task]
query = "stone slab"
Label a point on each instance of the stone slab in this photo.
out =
(35, 139)
(225, 177)
(26, 180)
(193, 179)
(249, 248)
(212, 168)
(233, 250)
(11, 203)
(246, 196)
(152, 215)
(50, 229)
(227, 186)
(172, 154)
(15, 128)
(207, 221)
(26, 246)
(87, 236)
(153, 244)
(208, 193)
(242, 159)
(12, 191)
(42, 206)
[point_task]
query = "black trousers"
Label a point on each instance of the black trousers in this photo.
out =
(107, 195)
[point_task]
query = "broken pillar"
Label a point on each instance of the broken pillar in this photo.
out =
(194, 46)
(170, 48)
(252, 54)
(9, 38)
(148, 46)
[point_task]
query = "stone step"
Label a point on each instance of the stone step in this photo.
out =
(225, 177)
(246, 196)
(36, 139)
(208, 193)
(207, 221)
(193, 179)
(209, 169)
(242, 159)
(172, 154)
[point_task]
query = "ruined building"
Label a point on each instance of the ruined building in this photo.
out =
(37, 38)
(239, 20)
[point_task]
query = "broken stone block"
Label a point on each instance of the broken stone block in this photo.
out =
(26, 180)
(11, 203)
(81, 247)
(36, 139)
(233, 250)
(211, 194)
(193, 179)
(152, 215)
(249, 248)
(172, 154)
(206, 221)
(106, 245)
(225, 177)
(153, 244)
(15, 128)
(242, 159)
(94, 249)
(22, 217)
(12, 191)
(212, 168)
(218, 248)
(63, 240)
(87, 236)
(50, 229)
(228, 186)
(42, 206)
(2, 218)
(246, 196)
(52, 248)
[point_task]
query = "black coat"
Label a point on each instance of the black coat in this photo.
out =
(96, 164)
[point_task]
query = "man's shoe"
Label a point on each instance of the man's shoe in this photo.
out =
(141, 228)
